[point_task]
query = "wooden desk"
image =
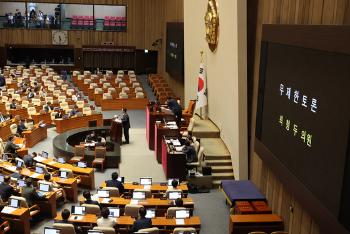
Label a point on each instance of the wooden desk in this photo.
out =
(46, 118)
(23, 112)
(87, 175)
(120, 103)
(69, 185)
(151, 118)
(242, 224)
(19, 220)
(5, 131)
(35, 135)
(173, 162)
(116, 131)
(63, 125)
(48, 207)
(160, 130)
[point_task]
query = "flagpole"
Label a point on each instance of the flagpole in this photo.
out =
(200, 111)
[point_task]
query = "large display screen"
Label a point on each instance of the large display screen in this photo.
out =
(304, 117)
(175, 50)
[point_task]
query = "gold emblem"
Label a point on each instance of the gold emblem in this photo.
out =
(212, 25)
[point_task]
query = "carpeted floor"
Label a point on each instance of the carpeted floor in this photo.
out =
(137, 161)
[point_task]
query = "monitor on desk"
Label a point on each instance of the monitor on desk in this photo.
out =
(78, 210)
(39, 170)
(171, 180)
(182, 214)
(173, 195)
(146, 180)
(150, 213)
(138, 195)
(102, 193)
(114, 212)
(19, 164)
(61, 160)
(121, 179)
(5, 157)
(44, 187)
(49, 230)
(44, 154)
(14, 203)
(20, 183)
(81, 164)
(63, 174)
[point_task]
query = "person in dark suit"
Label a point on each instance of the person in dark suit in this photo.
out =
(142, 222)
(13, 104)
(190, 151)
(74, 111)
(88, 200)
(21, 127)
(2, 118)
(91, 137)
(126, 125)
(59, 114)
(31, 94)
(30, 194)
(2, 81)
(11, 147)
(175, 107)
(48, 107)
(114, 182)
(6, 190)
(65, 214)
(29, 159)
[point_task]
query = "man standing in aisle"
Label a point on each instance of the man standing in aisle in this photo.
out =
(126, 125)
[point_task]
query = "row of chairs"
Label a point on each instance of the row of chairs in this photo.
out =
(160, 87)
(82, 22)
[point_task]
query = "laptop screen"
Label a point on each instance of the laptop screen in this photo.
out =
(44, 187)
(63, 174)
(102, 193)
(78, 210)
(39, 170)
(114, 212)
(49, 230)
(171, 180)
(150, 213)
(121, 179)
(182, 214)
(82, 164)
(19, 163)
(14, 203)
(61, 160)
(1, 178)
(44, 154)
(20, 183)
(173, 195)
(138, 195)
(5, 157)
(146, 181)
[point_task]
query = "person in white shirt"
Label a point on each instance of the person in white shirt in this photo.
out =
(105, 220)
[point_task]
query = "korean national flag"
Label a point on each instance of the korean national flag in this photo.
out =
(202, 88)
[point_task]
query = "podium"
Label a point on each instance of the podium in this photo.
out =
(116, 131)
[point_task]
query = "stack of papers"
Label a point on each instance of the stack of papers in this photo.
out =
(147, 187)
(179, 148)
(39, 158)
(180, 221)
(52, 163)
(175, 142)
(8, 210)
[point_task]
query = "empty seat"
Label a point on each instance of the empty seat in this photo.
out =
(123, 95)
(107, 96)
(140, 95)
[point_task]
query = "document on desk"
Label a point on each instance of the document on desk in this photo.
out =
(8, 210)
(106, 200)
(10, 168)
(39, 158)
(179, 148)
(147, 187)
(35, 175)
(176, 142)
(134, 202)
(95, 197)
(172, 127)
(180, 221)
(171, 123)
(52, 163)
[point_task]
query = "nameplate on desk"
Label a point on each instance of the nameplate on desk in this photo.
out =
(8, 210)
(179, 221)
(10, 168)
(134, 202)
(39, 158)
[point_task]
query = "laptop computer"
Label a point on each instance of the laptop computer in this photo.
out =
(78, 210)
(20, 183)
(138, 195)
(14, 203)
(121, 179)
(81, 164)
(5, 157)
(2, 177)
(146, 180)
(63, 174)
(49, 230)
(171, 180)
(19, 164)
(150, 213)
(102, 193)
(43, 189)
(61, 160)
(39, 170)
(173, 195)
(44, 154)
(114, 212)
(182, 214)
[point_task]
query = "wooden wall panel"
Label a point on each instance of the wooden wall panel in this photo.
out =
(288, 12)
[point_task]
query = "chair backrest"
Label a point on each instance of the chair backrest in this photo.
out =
(92, 209)
(123, 95)
(138, 89)
(171, 211)
(135, 84)
(105, 230)
(147, 192)
(113, 192)
(79, 150)
(107, 96)
(87, 111)
(106, 85)
(153, 230)
(80, 104)
(111, 90)
(13, 128)
(23, 202)
(125, 89)
(132, 210)
(122, 84)
(140, 95)
(31, 110)
(191, 107)
(66, 228)
(98, 91)
(100, 152)
(190, 125)
(69, 172)
(179, 230)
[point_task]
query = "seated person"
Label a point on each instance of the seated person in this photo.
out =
(11, 147)
(2, 81)
(101, 141)
(29, 159)
(190, 151)
(48, 107)
(176, 109)
(30, 194)
(55, 187)
(3, 118)
(13, 104)
(88, 200)
(74, 111)
(179, 202)
(31, 94)
(105, 220)
(65, 214)
(43, 93)
(21, 127)
(114, 182)
(59, 114)
(174, 184)
(36, 87)
(6, 190)
(91, 137)
(142, 222)
(17, 174)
